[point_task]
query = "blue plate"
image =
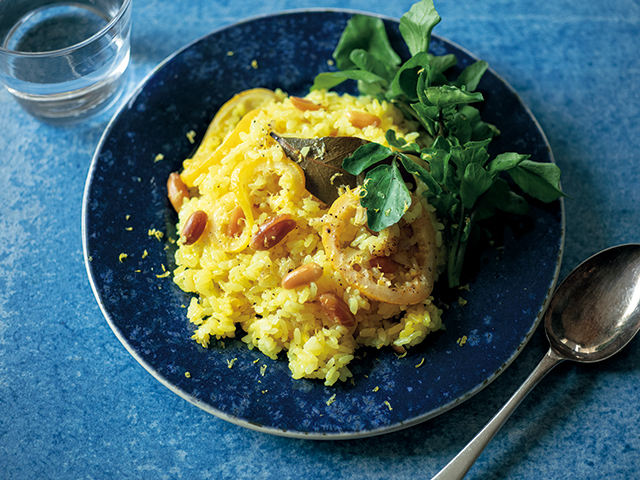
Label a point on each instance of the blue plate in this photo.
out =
(125, 202)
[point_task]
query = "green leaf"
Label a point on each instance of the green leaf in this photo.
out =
(387, 197)
(368, 62)
(460, 126)
(467, 126)
(422, 173)
(503, 198)
(400, 143)
(427, 116)
(405, 82)
(374, 89)
(438, 160)
(417, 24)
(484, 208)
(540, 180)
(435, 71)
(452, 180)
(328, 80)
(442, 143)
(506, 161)
(458, 159)
(427, 112)
(442, 63)
(475, 181)
(448, 95)
(446, 205)
(423, 83)
(365, 157)
(471, 76)
(476, 152)
(479, 130)
(367, 33)
(469, 153)
(393, 140)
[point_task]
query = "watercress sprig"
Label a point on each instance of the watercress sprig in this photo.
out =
(463, 183)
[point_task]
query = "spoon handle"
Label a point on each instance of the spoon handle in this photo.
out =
(458, 467)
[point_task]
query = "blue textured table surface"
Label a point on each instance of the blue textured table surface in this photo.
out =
(74, 404)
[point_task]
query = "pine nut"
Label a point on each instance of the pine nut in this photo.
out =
(272, 232)
(336, 309)
(177, 191)
(303, 104)
(194, 227)
(235, 225)
(363, 119)
(303, 275)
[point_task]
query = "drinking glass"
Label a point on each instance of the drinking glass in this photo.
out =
(64, 60)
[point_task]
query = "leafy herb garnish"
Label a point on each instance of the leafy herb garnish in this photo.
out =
(463, 183)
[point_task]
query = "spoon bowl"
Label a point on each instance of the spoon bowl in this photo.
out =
(594, 313)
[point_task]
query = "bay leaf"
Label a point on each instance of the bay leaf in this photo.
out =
(321, 159)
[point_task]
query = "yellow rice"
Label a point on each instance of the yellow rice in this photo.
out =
(243, 288)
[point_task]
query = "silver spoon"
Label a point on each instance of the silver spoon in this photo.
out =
(593, 314)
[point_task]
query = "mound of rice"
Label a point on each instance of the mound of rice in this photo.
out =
(241, 286)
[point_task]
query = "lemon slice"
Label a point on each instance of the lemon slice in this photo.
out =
(231, 113)
(409, 289)
(203, 158)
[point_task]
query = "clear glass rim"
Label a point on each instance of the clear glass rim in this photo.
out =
(67, 50)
